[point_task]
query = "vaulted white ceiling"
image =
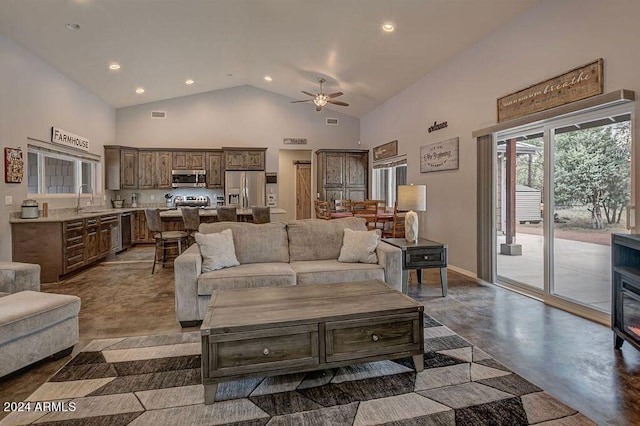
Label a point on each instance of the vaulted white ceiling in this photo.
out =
(224, 43)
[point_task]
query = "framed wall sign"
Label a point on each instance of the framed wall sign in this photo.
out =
(13, 165)
(579, 83)
(387, 150)
(439, 156)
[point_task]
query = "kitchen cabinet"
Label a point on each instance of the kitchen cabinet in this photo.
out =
(215, 171)
(147, 169)
(154, 169)
(164, 165)
(141, 233)
(343, 174)
(244, 158)
(92, 240)
(121, 167)
(188, 160)
(63, 247)
(129, 169)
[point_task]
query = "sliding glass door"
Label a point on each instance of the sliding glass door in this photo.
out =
(562, 189)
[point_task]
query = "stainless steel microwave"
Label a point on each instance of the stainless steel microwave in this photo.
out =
(188, 178)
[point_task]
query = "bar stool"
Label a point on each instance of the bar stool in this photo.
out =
(165, 240)
(227, 214)
(191, 219)
(261, 214)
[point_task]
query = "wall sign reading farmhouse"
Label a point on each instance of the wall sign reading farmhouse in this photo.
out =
(69, 139)
(579, 83)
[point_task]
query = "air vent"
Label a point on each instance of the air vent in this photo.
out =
(158, 114)
(332, 121)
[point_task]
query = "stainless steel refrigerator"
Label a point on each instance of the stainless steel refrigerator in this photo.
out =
(244, 189)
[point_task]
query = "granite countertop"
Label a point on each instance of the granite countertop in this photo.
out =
(69, 214)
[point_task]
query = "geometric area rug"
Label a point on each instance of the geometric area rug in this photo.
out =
(155, 380)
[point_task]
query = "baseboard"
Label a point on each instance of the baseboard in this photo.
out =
(464, 272)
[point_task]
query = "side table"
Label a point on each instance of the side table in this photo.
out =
(420, 255)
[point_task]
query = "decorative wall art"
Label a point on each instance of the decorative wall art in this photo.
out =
(579, 83)
(387, 150)
(13, 165)
(439, 156)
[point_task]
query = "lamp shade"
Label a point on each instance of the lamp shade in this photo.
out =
(412, 197)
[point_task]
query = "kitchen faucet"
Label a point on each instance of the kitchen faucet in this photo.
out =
(80, 192)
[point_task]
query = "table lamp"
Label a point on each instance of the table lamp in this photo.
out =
(412, 197)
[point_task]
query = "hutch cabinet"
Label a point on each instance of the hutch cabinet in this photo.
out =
(342, 174)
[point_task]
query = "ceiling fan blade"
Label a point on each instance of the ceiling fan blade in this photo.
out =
(335, 95)
(307, 93)
(338, 103)
(318, 108)
(307, 100)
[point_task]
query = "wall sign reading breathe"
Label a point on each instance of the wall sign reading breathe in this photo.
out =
(579, 83)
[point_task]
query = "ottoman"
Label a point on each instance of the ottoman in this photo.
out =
(35, 325)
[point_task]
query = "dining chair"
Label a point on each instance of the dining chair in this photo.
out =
(368, 210)
(261, 214)
(343, 206)
(396, 230)
(323, 210)
(165, 240)
(227, 214)
(380, 204)
(191, 219)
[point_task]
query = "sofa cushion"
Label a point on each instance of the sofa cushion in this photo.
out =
(217, 250)
(316, 239)
(247, 276)
(359, 246)
(255, 243)
(332, 271)
(27, 312)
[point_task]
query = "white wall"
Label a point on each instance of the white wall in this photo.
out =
(33, 97)
(239, 116)
(549, 39)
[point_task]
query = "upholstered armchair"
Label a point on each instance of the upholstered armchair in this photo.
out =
(16, 276)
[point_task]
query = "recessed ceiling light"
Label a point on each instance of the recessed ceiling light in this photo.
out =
(73, 27)
(189, 81)
(268, 78)
(388, 27)
(114, 66)
(139, 90)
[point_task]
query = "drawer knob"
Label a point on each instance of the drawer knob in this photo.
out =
(375, 338)
(265, 351)
(426, 258)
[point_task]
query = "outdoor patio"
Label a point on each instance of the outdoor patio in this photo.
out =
(582, 270)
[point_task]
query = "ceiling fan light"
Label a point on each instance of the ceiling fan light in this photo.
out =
(320, 100)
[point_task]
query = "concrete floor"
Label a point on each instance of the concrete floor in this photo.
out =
(582, 270)
(570, 357)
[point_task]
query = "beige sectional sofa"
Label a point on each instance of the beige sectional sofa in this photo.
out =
(33, 325)
(278, 254)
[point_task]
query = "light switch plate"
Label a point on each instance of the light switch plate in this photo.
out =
(8, 200)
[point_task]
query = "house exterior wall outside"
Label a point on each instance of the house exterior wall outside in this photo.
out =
(547, 40)
(34, 97)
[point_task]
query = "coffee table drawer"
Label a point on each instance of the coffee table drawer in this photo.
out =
(262, 350)
(372, 336)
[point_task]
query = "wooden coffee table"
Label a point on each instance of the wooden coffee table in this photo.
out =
(284, 330)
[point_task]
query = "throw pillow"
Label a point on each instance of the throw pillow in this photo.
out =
(359, 246)
(217, 250)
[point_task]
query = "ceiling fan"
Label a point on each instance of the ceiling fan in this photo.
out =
(320, 99)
